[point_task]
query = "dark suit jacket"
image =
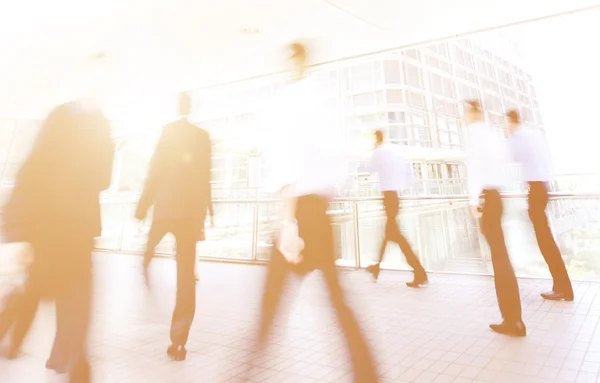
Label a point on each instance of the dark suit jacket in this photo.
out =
(70, 164)
(178, 183)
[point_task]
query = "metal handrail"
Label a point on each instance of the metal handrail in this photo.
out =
(441, 197)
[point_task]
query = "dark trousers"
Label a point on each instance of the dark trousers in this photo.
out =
(61, 271)
(315, 229)
(538, 201)
(507, 288)
(391, 205)
(186, 235)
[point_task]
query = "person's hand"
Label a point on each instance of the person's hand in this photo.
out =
(475, 212)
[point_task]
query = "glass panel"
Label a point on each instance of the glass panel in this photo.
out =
(395, 96)
(413, 75)
(391, 69)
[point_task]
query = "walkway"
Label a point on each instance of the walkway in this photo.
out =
(435, 334)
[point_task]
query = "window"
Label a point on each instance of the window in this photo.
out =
(399, 133)
(505, 77)
(493, 103)
(413, 54)
(416, 99)
(364, 99)
(391, 70)
(413, 75)
(508, 92)
(468, 92)
(396, 117)
(395, 96)
(466, 75)
(490, 85)
(448, 87)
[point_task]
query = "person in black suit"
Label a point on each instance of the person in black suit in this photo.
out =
(178, 185)
(58, 190)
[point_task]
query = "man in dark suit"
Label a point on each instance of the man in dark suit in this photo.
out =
(178, 186)
(58, 190)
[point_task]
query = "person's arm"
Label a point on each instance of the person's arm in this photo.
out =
(473, 160)
(151, 184)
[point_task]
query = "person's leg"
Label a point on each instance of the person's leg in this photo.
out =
(277, 274)
(26, 309)
(538, 201)
(59, 360)
(316, 231)
(74, 305)
(507, 288)
(412, 259)
(185, 305)
(390, 223)
(155, 235)
(10, 308)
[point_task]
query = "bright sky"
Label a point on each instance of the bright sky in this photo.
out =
(564, 60)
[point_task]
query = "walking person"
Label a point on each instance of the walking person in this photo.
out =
(178, 185)
(486, 159)
(394, 174)
(305, 172)
(529, 149)
(56, 208)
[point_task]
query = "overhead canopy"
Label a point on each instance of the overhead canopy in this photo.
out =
(169, 45)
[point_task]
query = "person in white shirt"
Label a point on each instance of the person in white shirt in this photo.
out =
(486, 159)
(394, 174)
(304, 171)
(528, 148)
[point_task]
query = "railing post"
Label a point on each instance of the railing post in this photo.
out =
(254, 231)
(356, 236)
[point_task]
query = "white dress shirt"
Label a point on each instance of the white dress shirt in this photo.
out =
(302, 149)
(393, 170)
(487, 160)
(529, 148)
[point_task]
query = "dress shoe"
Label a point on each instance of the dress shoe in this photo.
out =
(177, 353)
(555, 296)
(510, 328)
(418, 281)
(374, 270)
(51, 364)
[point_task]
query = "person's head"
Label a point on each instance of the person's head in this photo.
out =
(298, 58)
(514, 120)
(378, 137)
(473, 111)
(184, 104)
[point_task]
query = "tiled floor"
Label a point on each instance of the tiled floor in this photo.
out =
(435, 334)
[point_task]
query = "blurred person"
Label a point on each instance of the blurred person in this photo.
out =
(304, 170)
(56, 203)
(394, 175)
(486, 159)
(529, 149)
(178, 186)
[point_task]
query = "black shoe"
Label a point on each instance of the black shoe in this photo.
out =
(510, 329)
(418, 281)
(177, 353)
(554, 296)
(374, 270)
(54, 366)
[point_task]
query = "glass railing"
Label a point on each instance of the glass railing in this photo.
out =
(445, 236)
